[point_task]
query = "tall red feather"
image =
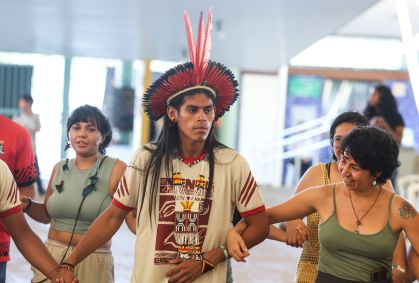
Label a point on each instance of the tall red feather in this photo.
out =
(199, 54)
(189, 36)
(208, 41)
(199, 50)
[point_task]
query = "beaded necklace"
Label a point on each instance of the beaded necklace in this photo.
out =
(188, 207)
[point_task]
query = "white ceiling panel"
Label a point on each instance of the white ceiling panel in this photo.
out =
(256, 35)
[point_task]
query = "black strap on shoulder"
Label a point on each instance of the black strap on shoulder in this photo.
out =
(101, 162)
(328, 165)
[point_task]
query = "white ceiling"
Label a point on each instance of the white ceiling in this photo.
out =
(257, 35)
(381, 20)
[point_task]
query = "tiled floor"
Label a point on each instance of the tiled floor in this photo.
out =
(269, 262)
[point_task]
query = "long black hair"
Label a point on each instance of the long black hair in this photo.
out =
(167, 147)
(387, 104)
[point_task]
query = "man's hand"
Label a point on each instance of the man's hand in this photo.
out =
(296, 233)
(184, 271)
(236, 246)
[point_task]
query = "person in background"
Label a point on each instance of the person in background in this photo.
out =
(17, 152)
(79, 190)
(360, 222)
(30, 121)
(382, 112)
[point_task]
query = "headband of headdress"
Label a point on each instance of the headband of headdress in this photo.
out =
(198, 74)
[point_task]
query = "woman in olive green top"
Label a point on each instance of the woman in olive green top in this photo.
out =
(359, 221)
(79, 190)
(298, 234)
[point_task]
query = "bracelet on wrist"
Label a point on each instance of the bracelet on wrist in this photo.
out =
(66, 266)
(225, 252)
(398, 268)
(29, 204)
(206, 266)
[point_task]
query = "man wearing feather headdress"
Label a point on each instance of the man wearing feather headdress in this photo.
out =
(185, 186)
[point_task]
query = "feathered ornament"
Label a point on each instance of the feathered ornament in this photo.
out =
(199, 73)
(199, 54)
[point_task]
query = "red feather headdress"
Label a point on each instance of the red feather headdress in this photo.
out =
(199, 73)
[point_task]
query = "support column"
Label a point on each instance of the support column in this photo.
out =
(146, 122)
(66, 95)
(228, 130)
(127, 74)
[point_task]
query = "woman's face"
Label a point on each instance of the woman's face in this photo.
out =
(340, 132)
(354, 177)
(375, 98)
(85, 138)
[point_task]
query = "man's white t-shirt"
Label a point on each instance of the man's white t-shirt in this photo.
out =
(155, 245)
(9, 193)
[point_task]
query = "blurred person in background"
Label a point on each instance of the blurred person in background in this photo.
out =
(30, 121)
(382, 112)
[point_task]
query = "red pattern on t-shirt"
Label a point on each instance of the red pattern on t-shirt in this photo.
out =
(122, 189)
(12, 194)
(166, 248)
(248, 189)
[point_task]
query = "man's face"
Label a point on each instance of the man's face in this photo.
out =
(24, 105)
(195, 118)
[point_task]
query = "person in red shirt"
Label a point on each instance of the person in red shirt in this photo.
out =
(17, 152)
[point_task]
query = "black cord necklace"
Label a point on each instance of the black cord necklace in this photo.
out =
(358, 220)
(86, 191)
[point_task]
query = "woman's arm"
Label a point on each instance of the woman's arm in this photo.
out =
(300, 205)
(399, 259)
(277, 234)
(296, 230)
(38, 210)
(117, 171)
(413, 266)
(406, 218)
(131, 221)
